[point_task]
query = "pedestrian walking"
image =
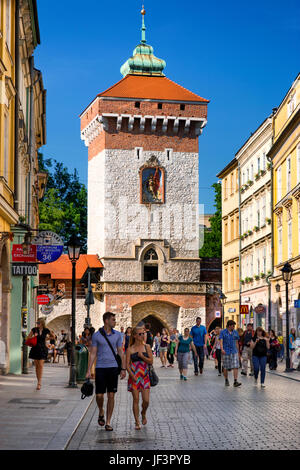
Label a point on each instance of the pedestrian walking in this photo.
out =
(247, 351)
(171, 348)
(274, 349)
(149, 335)
(241, 333)
(229, 339)
(260, 345)
(163, 348)
(126, 338)
(156, 344)
(39, 353)
(138, 357)
(217, 350)
(104, 342)
(292, 345)
(182, 351)
(69, 346)
(281, 342)
(199, 335)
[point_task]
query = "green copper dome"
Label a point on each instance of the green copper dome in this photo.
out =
(143, 62)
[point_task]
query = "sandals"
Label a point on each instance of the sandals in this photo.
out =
(38, 387)
(101, 420)
(108, 428)
(138, 426)
(144, 420)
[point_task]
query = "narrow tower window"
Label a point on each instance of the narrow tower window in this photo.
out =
(182, 107)
(159, 105)
(137, 104)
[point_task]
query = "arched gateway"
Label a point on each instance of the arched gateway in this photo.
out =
(159, 314)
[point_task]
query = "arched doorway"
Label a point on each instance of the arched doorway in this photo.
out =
(166, 313)
(155, 323)
(216, 322)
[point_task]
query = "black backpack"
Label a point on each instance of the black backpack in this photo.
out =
(149, 338)
(87, 389)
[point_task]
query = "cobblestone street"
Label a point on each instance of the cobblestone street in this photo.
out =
(201, 414)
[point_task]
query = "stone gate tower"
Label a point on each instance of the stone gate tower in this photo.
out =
(142, 138)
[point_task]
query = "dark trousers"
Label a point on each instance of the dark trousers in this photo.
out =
(219, 359)
(200, 352)
(170, 357)
(69, 352)
(273, 359)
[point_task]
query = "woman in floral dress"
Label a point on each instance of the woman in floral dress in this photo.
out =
(138, 357)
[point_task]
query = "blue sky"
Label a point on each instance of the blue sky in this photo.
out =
(243, 56)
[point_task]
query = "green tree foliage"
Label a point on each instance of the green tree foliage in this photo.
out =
(212, 247)
(63, 208)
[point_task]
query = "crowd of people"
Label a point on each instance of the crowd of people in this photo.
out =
(114, 353)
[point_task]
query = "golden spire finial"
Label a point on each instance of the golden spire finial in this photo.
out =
(143, 11)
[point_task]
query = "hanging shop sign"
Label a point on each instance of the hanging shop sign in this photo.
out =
(47, 309)
(19, 256)
(260, 309)
(244, 309)
(43, 299)
(231, 310)
(296, 303)
(49, 246)
(218, 314)
(24, 269)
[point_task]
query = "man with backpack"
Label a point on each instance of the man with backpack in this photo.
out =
(149, 337)
(107, 348)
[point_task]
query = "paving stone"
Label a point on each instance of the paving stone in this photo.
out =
(201, 414)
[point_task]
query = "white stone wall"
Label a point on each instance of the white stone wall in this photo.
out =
(187, 317)
(96, 204)
(114, 203)
(60, 318)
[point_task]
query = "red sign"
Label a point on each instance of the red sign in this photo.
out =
(19, 256)
(244, 309)
(43, 299)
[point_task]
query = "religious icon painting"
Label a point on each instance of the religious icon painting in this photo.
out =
(152, 185)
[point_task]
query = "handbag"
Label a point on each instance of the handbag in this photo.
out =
(153, 376)
(31, 342)
(116, 356)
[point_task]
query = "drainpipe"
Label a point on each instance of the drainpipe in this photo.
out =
(31, 142)
(240, 241)
(17, 56)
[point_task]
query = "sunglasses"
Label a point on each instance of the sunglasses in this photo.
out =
(141, 334)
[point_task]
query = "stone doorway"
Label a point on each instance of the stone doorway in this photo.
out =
(165, 313)
(216, 322)
(156, 324)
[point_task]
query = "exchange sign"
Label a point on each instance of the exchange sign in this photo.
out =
(19, 256)
(49, 246)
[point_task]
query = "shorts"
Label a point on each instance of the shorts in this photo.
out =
(106, 379)
(231, 361)
(163, 349)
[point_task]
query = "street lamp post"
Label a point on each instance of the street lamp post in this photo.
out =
(223, 301)
(74, 253)
(287, 271)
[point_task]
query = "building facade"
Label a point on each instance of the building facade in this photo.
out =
(22, 132)
(142, 137)
(285, 157)
(255, 225)
(230, 241)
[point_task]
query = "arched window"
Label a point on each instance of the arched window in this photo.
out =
(150, 255)
(150, 267)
